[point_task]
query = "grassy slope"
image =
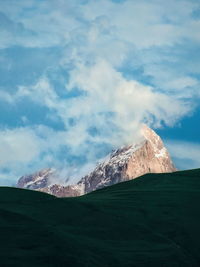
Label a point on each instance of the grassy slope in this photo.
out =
(151, 221)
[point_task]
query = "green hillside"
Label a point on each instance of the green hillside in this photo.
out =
(150, 221)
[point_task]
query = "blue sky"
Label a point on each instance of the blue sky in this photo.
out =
(79, 77)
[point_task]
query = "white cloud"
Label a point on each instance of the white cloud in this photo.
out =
(132, 102)
(147, 23)
(18, 146)
(144, 24)
(185, 154)
(25, 149)
(109, 103)
(5, 96)
(182, 83)
(115, 32)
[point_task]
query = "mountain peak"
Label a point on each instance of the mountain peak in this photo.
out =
(155, 141)
(147, 132)
(37, 180)
(148, 155)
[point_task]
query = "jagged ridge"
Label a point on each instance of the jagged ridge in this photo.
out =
(149, 155)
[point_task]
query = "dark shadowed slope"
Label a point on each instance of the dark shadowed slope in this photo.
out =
(150, 221)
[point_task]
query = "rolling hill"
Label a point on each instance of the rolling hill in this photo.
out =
(149, 221)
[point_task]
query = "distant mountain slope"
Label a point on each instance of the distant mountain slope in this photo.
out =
(149, 155)
(150, 221)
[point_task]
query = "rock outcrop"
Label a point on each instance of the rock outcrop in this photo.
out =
(37, 180)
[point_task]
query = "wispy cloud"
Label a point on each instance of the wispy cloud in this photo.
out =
(186, 154)
(108, 102)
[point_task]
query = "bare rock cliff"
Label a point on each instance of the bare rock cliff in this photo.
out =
(148, 156)
(37, 180)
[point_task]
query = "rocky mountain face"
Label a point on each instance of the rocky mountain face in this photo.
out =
(37, 180)
(147, 156)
